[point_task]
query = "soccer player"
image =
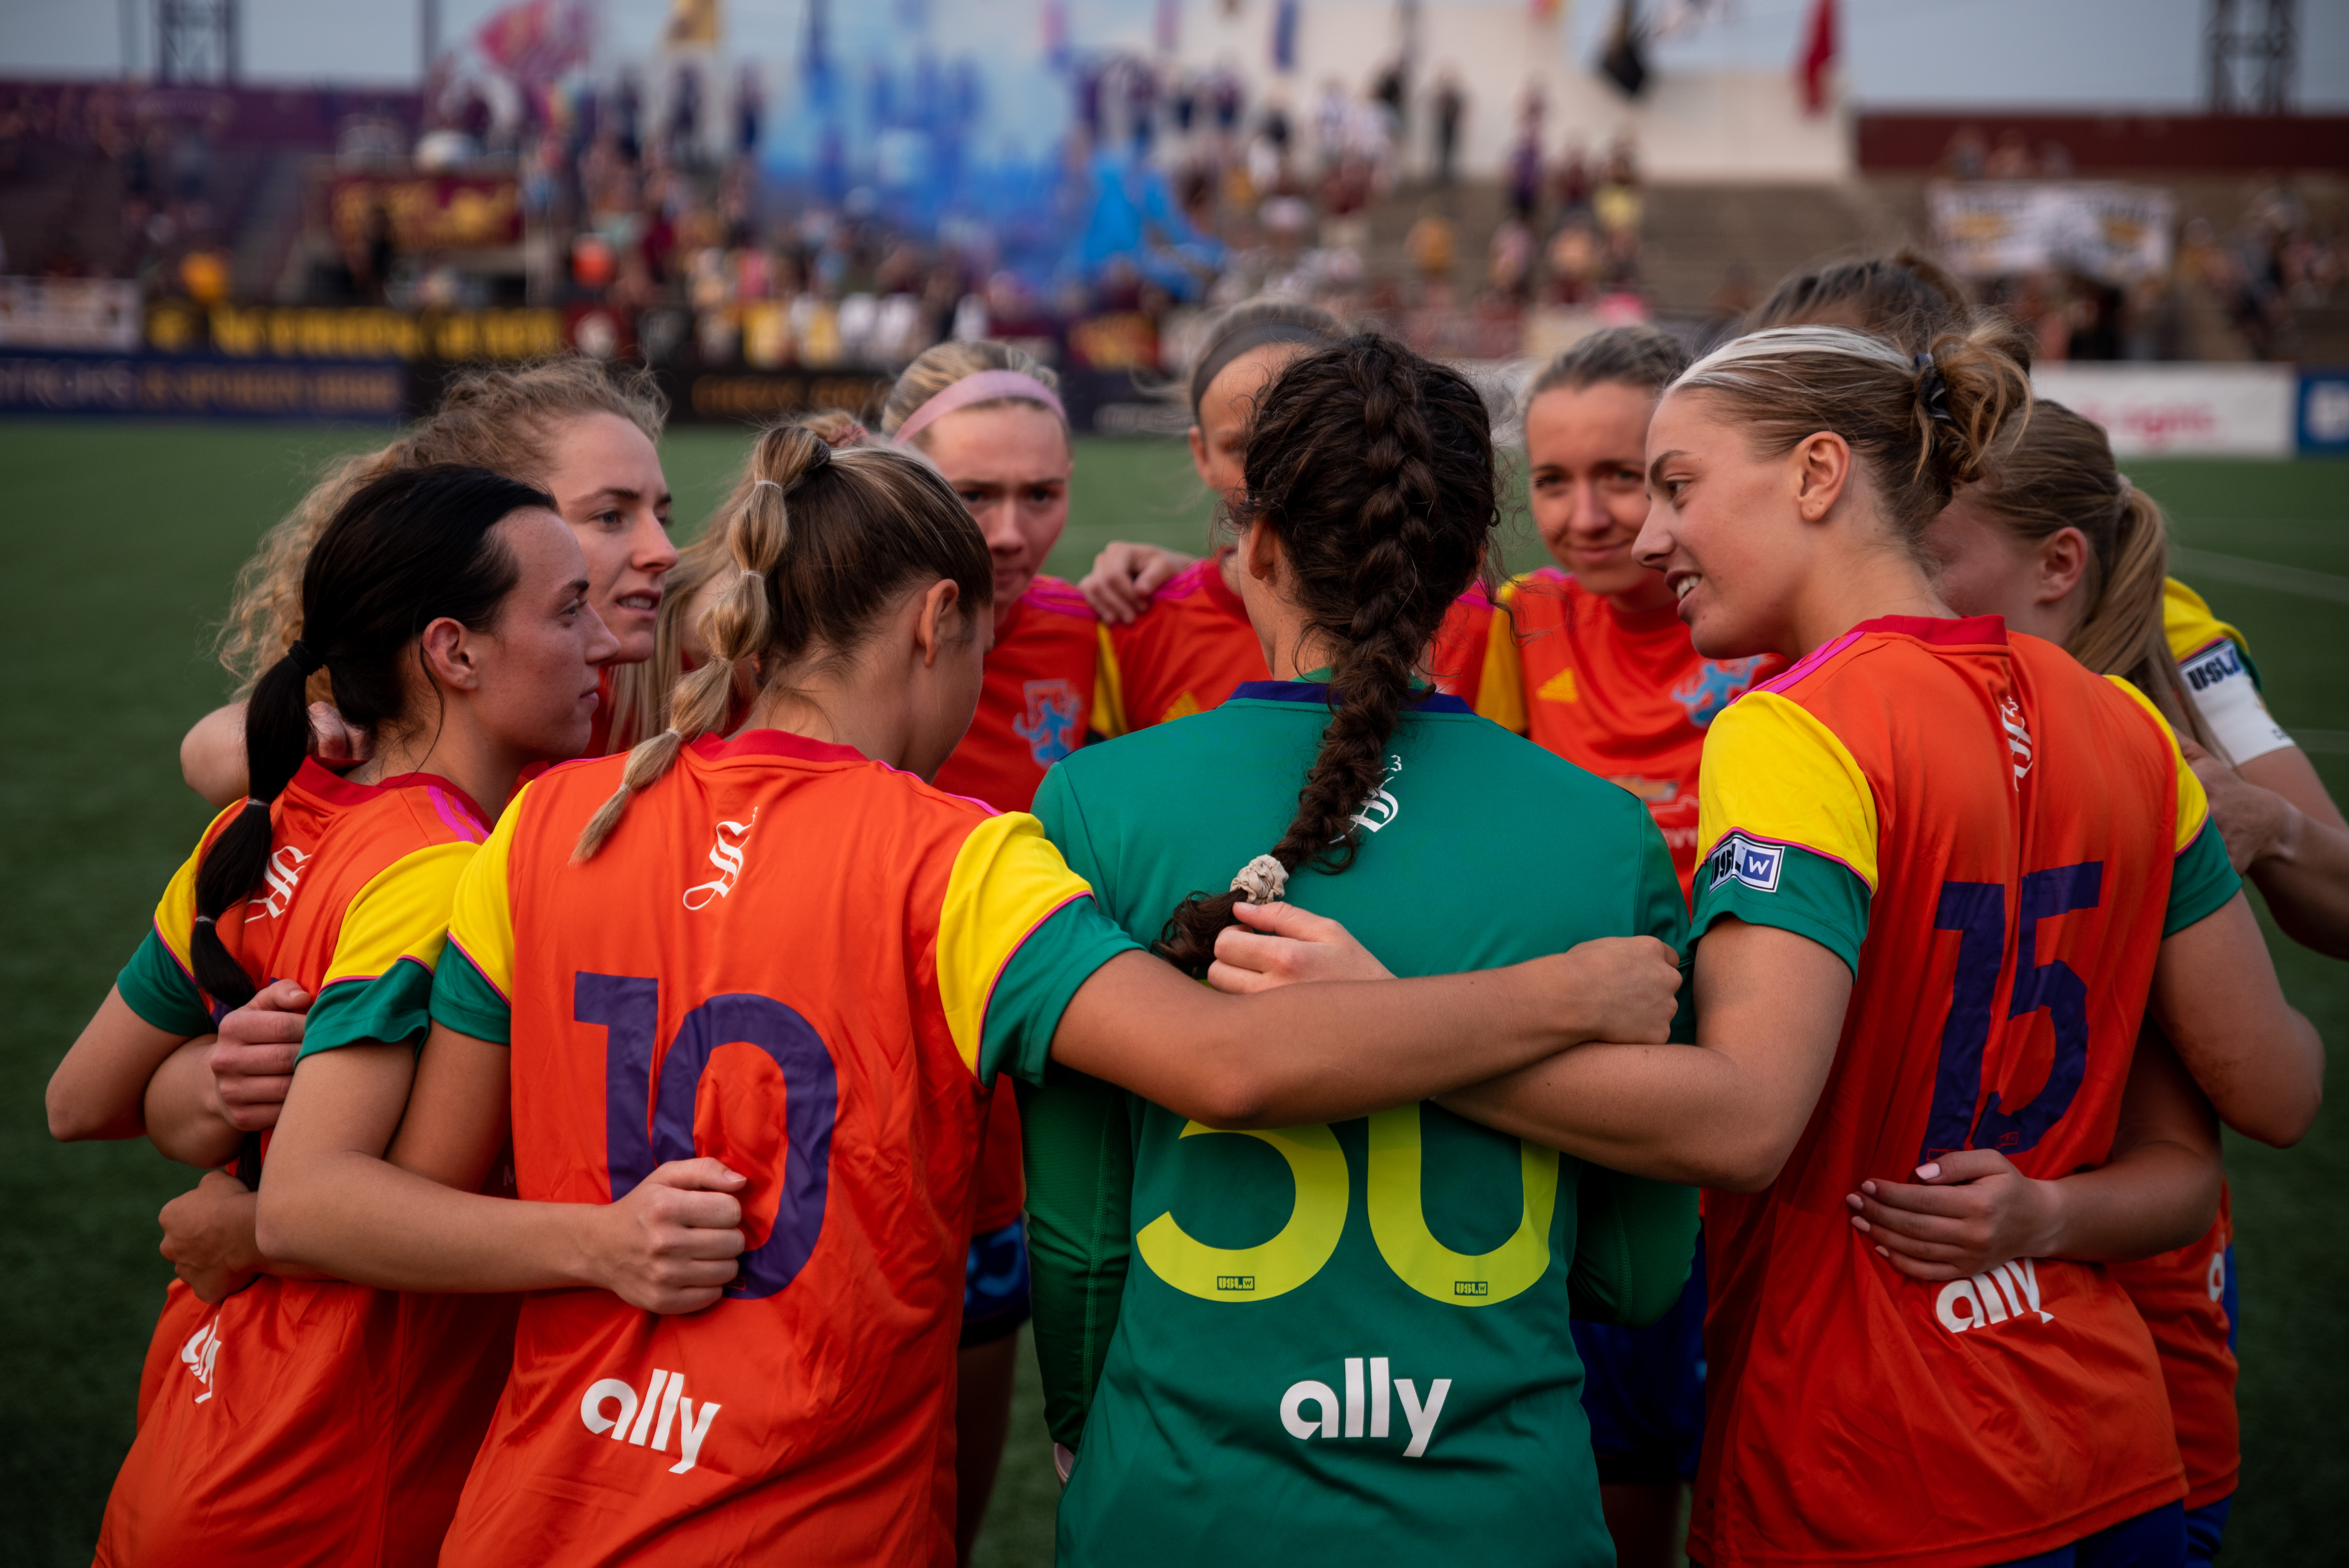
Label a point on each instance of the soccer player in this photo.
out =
(787, 954)
(1269, 1341)
(2058, 542)
(292, 1419)
(574, 429)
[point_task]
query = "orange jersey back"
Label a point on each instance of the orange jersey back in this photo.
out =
(312, 1422)
(2182, 1296)
(1185, 653)
(1996, 840)
(1043, 693)
(796, 959)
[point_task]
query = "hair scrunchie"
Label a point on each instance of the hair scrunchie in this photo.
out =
(1262, 881)
(1932, 390)
(305, 657)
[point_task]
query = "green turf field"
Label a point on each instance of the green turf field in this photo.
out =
(125, 545)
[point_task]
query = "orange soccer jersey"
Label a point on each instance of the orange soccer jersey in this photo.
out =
(312, 1422)
(1626, 697)
(808, 965)
(1044, 691)
(1185, 653)
(1996, 841)
(2182, 1296)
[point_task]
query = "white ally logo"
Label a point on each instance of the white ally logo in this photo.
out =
(638, 1421)
(2008, 1291)
(728, 858)
(1325, 1421)
(199, 1355)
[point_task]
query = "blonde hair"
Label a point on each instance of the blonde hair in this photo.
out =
(822, 543)
(940, 367)
(2057, 472)
(1920, 426)
(503, 420)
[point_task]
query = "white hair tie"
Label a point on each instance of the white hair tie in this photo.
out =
(1263, 880)
(768, 483)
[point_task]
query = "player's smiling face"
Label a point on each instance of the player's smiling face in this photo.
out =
(606, 478)
(1586, 451)
(1010, 464)
(1723, 528)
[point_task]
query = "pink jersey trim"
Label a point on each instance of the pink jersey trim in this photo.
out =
(1059, 598)
(1807, 664)
(459, 822)
(1811, 850)
(478, 969)
(1012, 952)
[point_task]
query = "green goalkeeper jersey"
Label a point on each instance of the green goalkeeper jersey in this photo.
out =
(1342, 1343)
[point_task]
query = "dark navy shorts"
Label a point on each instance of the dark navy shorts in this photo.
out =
(995, 1285)
(1644, 1390)
(2153, 1540)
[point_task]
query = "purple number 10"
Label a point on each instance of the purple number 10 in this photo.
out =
(628, 1008)
(1977, 911)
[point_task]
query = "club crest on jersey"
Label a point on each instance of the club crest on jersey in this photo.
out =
(2018, 738)
(1715, 683)
(1743, 860)
(637, 1421)
(728, 858)
(282, 874)
(1382, 808)
(200, 1354)
(1054, 722)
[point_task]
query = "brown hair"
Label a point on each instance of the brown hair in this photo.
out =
(1919, 426)
(497, 420)
(2055, 472)
(1373, 467)
(822, 544)
(1644, 356)
(1257, 324)
(940, 366)
(1906, 296)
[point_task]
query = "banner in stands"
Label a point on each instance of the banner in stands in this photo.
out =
(2153, 410)
(152, 386)
(68, 312)
(356, 332)
(2324, 411)
(2005, 228)
(427, 211)
(756, 396)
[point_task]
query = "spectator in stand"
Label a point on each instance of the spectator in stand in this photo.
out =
(1451, 108)
(750, 109)
(1431, 245)
(1575, 262)
(1967, 153)
(1509, 271)
(1526, 170)
(2011, 160)
(1573, 184)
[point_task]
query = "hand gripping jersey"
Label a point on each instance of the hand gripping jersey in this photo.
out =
(808, 965)
(1045, 688)
(1347, 1343)
(311, 1421)
(1996, 841)
(1625, 696)
(1187, 650)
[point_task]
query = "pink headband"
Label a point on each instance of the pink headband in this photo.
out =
(984, 387)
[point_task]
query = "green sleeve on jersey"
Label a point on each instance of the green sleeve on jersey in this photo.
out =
(1786, 886)
(392, 1009)
(1079, 1146)
(159, 991)
(463, 998)
(1042, 973)
(2202, 881)
(1633, 1242)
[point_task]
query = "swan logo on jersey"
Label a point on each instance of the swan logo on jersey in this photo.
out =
(2018, 738)
(637, 1422)
(1054, 722)
(728, 858)
(1382, 808)
(199, 1354)
(1741, 859)
(1715, 685)
(1360, 1417)
(2010, 1291)
(282, 874)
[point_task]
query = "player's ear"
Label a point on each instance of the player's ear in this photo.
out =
(938, 621)
(448, 650)
(1821, 465)
(2062, 562)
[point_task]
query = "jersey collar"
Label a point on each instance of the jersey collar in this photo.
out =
(774, 743)
(323, 784)
(1974, 630)
(1315, 688)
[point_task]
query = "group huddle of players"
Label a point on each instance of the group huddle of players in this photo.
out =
(591, 997)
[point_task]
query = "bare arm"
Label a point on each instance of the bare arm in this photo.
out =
(1328, 1052)
(184, 1118)
(212, 755)
(99, 1090)
(207, 1234)
(2215, 996)
(330, 1200)
(2284, 832)
(1972, 1209)
(1725, 1112)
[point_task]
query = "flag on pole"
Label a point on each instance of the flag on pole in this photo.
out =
(535, 41)
(692, 24)
(1819, 54)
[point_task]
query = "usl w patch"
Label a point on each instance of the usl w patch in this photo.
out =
(1741, 859)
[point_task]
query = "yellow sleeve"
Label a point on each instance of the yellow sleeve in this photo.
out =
(2189, 623)
(481, 915)
(1501, 688)
(1008, 880)
(175, 911)
(2193, 802)
(1109, 689)
(402, 914)
(1773, 772)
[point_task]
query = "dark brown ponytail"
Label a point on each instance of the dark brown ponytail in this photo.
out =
(1373, 467)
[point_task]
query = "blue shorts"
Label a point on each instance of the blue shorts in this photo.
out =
(995, 1285)
(2205, 1527)
(1644, 1390)
(2151, 1540)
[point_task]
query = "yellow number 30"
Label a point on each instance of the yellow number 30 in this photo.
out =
(1398, 1225)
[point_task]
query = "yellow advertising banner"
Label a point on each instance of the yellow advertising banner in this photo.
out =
(358, 332)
